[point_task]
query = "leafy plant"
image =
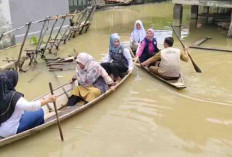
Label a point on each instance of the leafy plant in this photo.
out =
(34, 40)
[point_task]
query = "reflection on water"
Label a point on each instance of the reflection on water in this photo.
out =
(144, 117)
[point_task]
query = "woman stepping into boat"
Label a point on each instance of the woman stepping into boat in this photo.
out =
(137, 35)
(118, 60)
(148, 46)
(16, 113)
(169, 66)
(93, 80)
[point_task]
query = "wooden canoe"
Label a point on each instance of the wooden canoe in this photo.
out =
(65, 112)
(178, 84)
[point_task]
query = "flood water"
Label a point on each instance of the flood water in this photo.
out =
(144, 117)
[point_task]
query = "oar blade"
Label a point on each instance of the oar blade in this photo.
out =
(197, 69)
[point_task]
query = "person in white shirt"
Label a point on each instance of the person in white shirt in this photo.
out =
(16, 113)
(137, 35)
(118, 60)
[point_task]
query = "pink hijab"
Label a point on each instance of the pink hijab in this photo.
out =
(152, 31)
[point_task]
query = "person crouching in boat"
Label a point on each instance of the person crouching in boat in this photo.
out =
(118, 60)
(148, 47)
(93, 80)
(169, 57)
(137, 35)
(16, 113)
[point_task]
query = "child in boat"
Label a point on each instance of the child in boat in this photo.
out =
(148, 46)
(118, 60)
(137, 35)
(92, 78)
(16, 113)
(169, 66)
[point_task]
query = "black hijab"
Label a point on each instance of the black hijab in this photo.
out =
(8, 94)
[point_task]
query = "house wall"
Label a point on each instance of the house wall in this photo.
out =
(23, 11)
(5, 23)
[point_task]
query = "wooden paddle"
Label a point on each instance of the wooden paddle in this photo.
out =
(57, 117)
(197, 69)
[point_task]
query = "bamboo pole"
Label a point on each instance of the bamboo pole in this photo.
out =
(21, 49)
(39, 41)
(49, 38)
(86, 20)
(41, 34)
(57, 34)
(76, 27)
(14, 30)
(57, 117)
(90, 18)
(64, 36)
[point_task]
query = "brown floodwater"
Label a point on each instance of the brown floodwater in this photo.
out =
(144, 117)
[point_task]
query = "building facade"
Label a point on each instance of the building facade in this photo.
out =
(220, 8)
(16, 13)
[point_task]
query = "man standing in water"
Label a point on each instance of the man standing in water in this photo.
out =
(169, 57)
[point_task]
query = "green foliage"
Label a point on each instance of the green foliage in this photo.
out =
(34, 40)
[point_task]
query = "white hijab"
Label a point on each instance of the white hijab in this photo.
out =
(91, 71)
(138, 34)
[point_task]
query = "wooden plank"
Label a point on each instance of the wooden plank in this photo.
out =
(208, 48)
(201, 41)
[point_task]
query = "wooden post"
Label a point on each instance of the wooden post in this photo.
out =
(21, 48)
(177, 15)
(40, 35)
(57, 34)
(206, 9)
(90, 18)
(1, 37)
(65, 34)
(49, 38)
(194, 12)
(78, 24)
(87, 20)
(39, 42)
(206, 12)
(230, 28)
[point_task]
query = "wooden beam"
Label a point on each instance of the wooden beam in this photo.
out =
(230, 28)
(208, 48)
(201, 41)
(210, 3)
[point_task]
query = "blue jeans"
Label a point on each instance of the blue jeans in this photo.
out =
(30, 120)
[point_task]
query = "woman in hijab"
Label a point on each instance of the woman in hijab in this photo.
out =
(118, 60)
(92, 78)
(16, 113)
(148, 46)
(137, 35)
